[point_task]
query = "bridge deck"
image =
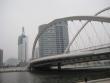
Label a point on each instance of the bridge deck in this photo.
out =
(75, 57)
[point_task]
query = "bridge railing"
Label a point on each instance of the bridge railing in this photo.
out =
(93, 48)
(74, 54)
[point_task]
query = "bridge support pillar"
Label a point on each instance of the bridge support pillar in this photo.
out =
(30, 69)
(59, 66)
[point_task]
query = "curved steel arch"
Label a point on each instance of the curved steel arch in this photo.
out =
(83, 28)
(90, 18)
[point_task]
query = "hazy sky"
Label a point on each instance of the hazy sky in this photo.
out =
(31, 13)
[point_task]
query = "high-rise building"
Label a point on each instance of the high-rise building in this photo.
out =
(54, 40)
(22, 47)
(12, 62)
(36, 53)
(1, 57)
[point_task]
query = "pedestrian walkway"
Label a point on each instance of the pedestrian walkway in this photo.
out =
(106, 80)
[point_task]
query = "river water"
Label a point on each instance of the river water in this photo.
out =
(66, 76)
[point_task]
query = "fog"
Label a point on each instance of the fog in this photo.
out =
(31, 13)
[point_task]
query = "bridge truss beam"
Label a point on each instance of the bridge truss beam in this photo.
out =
(83, 26)
(89, 18)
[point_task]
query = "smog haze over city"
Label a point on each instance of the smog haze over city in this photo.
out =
(54, 41)
(15, 14)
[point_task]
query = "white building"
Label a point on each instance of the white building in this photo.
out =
(22, 47)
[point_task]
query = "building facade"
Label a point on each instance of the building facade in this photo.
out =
(1, 57)
(36, 53)
(22, 47)
(54, 40)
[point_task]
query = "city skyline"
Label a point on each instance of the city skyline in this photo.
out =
(31, 14)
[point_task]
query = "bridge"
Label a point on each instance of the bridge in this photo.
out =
(85, 45)
(80, 56)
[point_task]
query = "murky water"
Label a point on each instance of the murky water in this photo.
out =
(51, 76)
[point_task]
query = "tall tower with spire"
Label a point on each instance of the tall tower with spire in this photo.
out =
(22, 48)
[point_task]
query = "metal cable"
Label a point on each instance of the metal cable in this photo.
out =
(95, 32)
(90, 41)
(106, 31)
(81, 39)
(77, 46)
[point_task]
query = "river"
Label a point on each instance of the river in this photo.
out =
(52, 76)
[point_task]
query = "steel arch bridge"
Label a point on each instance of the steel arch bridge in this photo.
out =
(75, 59)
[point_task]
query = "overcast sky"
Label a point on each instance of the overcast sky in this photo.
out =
(31, 13)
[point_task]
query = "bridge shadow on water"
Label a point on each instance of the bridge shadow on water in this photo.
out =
(69, 75)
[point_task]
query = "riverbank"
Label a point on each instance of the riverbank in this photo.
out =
(106, 80)
(13, 69)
